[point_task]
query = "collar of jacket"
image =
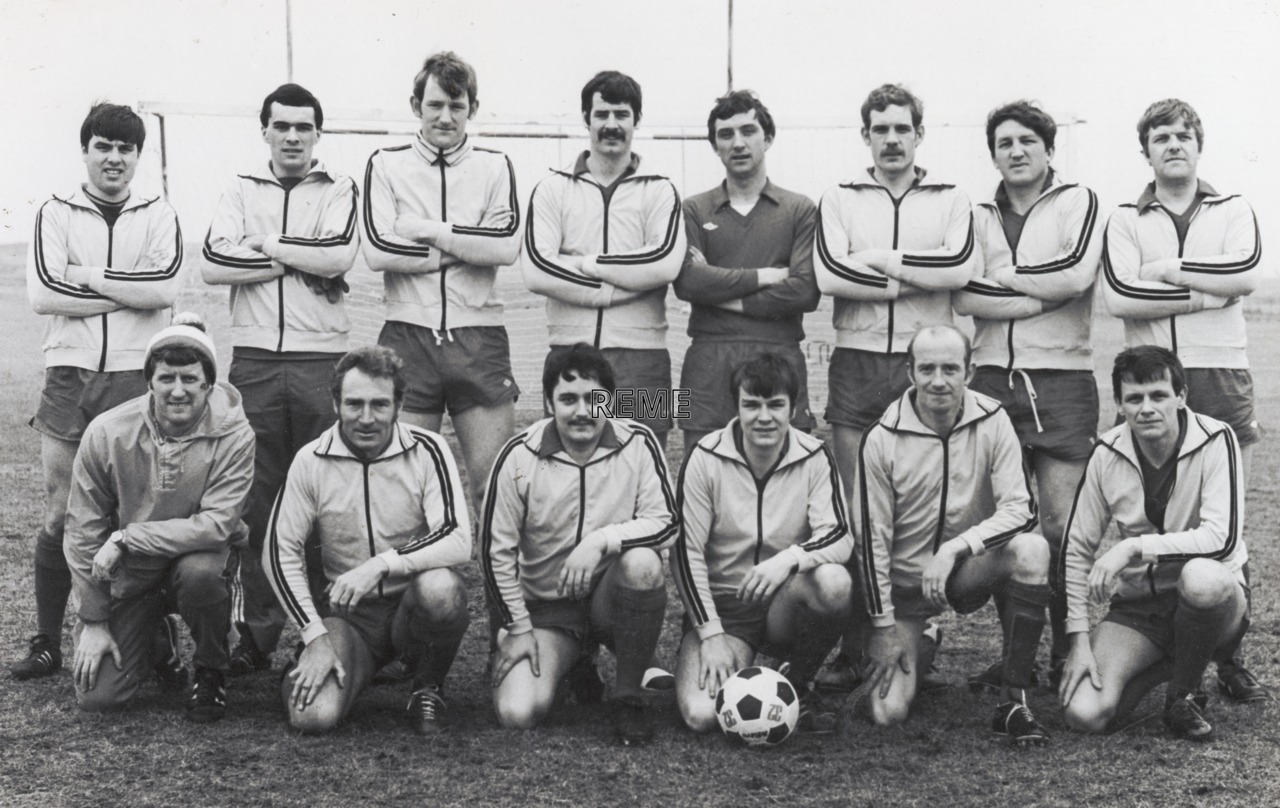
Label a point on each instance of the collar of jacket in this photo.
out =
(721, 443)
(222, 412)
(918, 184)
(1053, 184)
(403, 439)
(550, 442)
(81, 199)
(1148, 199)
(1198, 433)
(265, 174)
(720, 193)
(434, 156)
(901, 415)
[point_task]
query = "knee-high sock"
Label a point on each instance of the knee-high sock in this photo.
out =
(434, 644)
(1025, 607)
(637, 623)
(1060, 646)
(53, 586)
(1196, 633)
(815, 636)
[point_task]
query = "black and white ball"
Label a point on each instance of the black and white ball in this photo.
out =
(758, 707)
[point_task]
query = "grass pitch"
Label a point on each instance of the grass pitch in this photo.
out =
(53, 754)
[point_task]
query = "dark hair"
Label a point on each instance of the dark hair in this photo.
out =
(1026, 113)
(291, 95)
(1167, 113)
(453, 75)
(1147, 363)
(765, 375)
(614, 88)
(736, 103)
(939, 329)
(177, 356)
(583, 362)
(113, 122)
(892, 95)
(375, 361)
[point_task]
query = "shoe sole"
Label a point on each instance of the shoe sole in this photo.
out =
(1250, 699)
(27, 677)
(1024, 741)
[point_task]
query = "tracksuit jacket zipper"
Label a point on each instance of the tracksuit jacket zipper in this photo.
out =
(444, 217)
(284, 228)
(1173, 318)
(111, 231)
(368, 521)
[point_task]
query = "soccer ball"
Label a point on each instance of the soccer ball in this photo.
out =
(758, 707)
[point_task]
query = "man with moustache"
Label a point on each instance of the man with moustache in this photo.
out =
(283, 236)
(749, 269)
(1177, 266)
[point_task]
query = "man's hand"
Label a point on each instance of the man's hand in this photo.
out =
(1080, 664)
(95, 642)
(580, 567)
(696, 258)
(106, 560)
(885, 656)
(936, 572)
(764, 578)
(716, 664)
(346, 592)
(76, 274)
(1102, 578)
(254, 242)
(313, 668)
(511, 649)
(771, 276)
(877, 259)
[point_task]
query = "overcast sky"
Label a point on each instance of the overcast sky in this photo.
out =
(811, 60)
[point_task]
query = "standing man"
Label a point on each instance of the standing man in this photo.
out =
(749, 269)
(761, 554)
(440, 217)
(156, 497)
(1032, 308)
(604, 240)
(579, 506)
(891, 245)
(282, 237)
(384, 503)
(943, 510)
(104, 266)
(1178, 265)
(1171, 481)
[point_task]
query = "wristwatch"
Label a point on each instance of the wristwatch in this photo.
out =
(117, 539)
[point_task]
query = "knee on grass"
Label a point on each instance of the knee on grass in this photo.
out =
(698, 712)
(321, 715)
(103, 698)
(518, 710)
(889, 712)
(1088, 714)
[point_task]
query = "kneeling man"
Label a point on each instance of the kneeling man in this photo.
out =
(942, 509)
(578, 507)
(1170, 480)
(760, 559)
(384, 503)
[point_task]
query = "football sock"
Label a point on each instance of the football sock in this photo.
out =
(1196, 633)
(1025, 607)
(637, 624)
(815, 635)
(1058, 612)
(53, 587)
(435, 642)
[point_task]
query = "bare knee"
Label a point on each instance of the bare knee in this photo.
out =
(889, 711)
(518, 710)
(321, 715)
(1205, 584)
(440, 592)
(1030, 558)
(698, 712)
(1089, 715)
(832, 589)
(640, 568)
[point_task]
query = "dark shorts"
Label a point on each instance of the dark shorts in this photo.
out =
(72, 397)
(748, 622)
(1152, 617)
(571, 617)
(708, 364)
(374, 620)
(1066, 402)
(647, 369)
(1227, 395)
(909, 602)
(861, 385)
(279, 390)
(470, 367)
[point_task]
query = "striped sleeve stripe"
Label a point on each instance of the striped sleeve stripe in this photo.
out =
(668, 496)
(1060, 574)
(662, 251)
(684, 572)
(990, 290)
(1109, 272)
(42, 268)
(450, 523)
(870, 586)
(838, 269)
(1230, 267)
(214, 257)
(966, 251)
(1082, 244)
(842, 519)
(348, 230)
(1233, 519)
(289, 599)
(371, 232)
(160, 273)
(554, 270)
(1025, 527)
(512, 200)
(486, 531)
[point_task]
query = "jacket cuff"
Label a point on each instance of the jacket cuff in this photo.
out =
(885, 619)
(1150, 549)
(976, 545)
(590, 267)
(313, 631)
(804, 561)
(521, 626)
(95, 604)
(96, 276)
(270, 244)
(1077, 625)
(710, 629)
(397, 565)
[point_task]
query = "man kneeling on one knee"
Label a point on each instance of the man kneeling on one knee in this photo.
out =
(1169, 479)
(385, 502)
(760, 558)
(942, 511)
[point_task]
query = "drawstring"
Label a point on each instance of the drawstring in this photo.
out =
(441, 334)
(1031, 393)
